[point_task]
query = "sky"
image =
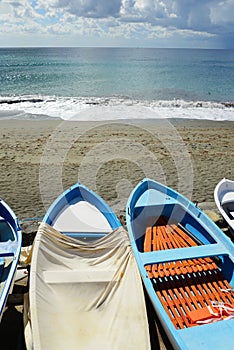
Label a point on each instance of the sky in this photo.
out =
(117, 23)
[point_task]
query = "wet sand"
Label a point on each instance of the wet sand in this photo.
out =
(40, 159)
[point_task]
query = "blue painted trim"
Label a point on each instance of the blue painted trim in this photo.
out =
(76, 193)
(9, 248)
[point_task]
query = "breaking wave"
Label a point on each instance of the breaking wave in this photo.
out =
(72, 108)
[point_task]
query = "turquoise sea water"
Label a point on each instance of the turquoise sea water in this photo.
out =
(165, 78)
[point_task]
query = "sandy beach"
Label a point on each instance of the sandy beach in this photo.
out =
(41, 158)
(110, 158)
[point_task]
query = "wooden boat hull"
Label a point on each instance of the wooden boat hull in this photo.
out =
(224, 199)
(10, 247)
(186, 263)
(81, 273)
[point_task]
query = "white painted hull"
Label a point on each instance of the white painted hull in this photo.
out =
(224, 199)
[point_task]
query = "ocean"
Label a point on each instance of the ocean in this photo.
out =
(67, 83)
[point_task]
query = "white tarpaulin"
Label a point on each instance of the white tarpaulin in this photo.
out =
(85, 295)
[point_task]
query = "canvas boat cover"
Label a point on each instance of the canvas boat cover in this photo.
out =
(84, 295)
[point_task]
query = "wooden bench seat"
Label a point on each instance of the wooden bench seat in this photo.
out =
(79, 276)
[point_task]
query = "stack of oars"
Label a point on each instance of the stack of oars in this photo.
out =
(186, 285)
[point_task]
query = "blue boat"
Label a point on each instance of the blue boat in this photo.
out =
(81, 213)
(186, 264)
(10, 247)
(81, 279)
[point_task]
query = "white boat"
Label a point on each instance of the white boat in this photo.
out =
(85, 291)
(224, 199)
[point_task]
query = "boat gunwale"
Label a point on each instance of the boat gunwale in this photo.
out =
(9, 249)
(76, 191)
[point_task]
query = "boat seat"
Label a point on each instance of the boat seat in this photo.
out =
(187, 283)
(228, 198)
(78, 276)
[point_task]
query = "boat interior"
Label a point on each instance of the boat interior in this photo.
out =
(171, 214)
(6, 253)
(190, 270)
(229, 209)
(82, 220)
(6, 232)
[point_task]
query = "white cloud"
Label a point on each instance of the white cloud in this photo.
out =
(89, 8)
(147, 10)
(222, 12)
(140, 21)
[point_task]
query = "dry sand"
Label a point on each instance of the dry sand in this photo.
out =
(40, 159)
(48, 156)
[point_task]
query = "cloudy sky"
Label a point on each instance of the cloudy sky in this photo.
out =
(137, 23)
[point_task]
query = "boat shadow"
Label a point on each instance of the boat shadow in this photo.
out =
(12, 329)
(158, 337)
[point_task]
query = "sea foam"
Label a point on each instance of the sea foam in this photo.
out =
(92, 108)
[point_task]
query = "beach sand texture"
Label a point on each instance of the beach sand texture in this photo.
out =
(29, 158)
(41, 157)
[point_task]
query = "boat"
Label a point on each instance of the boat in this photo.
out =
(85, 290)
(186, 264)
(224, 200)
(10, 247)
